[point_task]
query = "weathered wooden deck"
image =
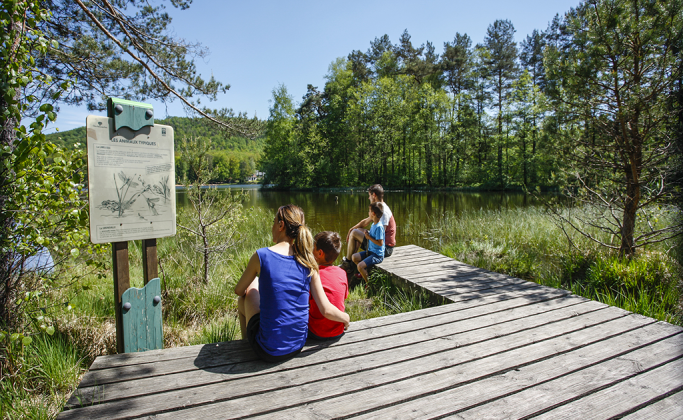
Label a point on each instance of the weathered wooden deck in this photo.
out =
(505, 348)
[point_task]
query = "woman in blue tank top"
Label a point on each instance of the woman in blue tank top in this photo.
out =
(274, 289)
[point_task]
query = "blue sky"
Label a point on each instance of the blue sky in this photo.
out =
(257, 45)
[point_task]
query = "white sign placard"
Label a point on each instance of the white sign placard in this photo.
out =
(131, 181)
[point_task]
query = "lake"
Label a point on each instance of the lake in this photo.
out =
(338, 211)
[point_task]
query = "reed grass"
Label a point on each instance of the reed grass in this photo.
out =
(528, 243)
(47, 372)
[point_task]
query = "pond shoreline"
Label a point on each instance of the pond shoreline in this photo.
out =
(354, 189)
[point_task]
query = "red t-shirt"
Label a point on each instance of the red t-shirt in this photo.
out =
(336, 288)
(390, 232)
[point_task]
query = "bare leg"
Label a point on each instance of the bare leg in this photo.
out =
(363, 272)
(248, 306)
(356, 258)
(355, 240)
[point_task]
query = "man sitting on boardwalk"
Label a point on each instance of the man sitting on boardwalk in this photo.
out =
(356, 237)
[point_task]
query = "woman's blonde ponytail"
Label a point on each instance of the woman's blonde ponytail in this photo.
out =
(295, 228)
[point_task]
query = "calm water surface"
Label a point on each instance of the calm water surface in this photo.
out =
(339, 211)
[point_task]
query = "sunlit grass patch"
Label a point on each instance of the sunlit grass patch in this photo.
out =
(527, 243)
(382, 297)
(224, 329)
(46, 371)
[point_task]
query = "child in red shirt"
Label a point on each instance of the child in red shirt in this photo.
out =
(327, 246)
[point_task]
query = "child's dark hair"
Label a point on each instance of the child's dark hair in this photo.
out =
(330, 243)
(377, 190)
(378, 209)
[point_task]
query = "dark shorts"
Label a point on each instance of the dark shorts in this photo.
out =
(370, 258)
(312, 336)
(388, 250)
(253, 329)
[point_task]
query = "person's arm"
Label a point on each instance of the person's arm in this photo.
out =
(378, 242)
(250, 273)
(362, 224)
(327, 309)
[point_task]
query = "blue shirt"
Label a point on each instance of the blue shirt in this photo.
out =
(284, 286)
(377, 233)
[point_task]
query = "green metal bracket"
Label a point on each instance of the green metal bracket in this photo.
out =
(133, 115)
(142, 322)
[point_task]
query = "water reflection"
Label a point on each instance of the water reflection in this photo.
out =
(339, 211)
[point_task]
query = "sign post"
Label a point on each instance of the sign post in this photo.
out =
(131, 188)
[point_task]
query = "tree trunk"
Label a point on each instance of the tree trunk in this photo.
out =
(627, 247)
(206, 255)
(8, 138)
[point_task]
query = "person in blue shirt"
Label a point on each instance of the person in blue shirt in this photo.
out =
(273, 291)
(375, 236)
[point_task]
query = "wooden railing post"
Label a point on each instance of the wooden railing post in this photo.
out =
(121, 272)
(150, 267)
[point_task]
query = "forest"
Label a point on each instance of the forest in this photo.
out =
(233, 157)
(495, 115)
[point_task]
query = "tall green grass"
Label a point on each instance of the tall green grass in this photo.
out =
(47, 371)
(381, 297)
(529, 244)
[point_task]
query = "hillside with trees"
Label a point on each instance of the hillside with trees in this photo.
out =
(233, 157)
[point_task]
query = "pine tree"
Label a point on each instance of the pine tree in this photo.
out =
(502, 67)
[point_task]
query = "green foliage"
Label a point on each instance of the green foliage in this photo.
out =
(223, 329)
(649, 273)
(45, 207)
(103, 64)
(382, 297)
(399, 116)
(528, 244)
(46, 373)
(68, 139)
(279, 154)
(611, 82)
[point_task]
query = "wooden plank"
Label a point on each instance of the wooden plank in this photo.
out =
(448, 272)
(612, 401)
(446, 266)
(408, 248)
(521, 392)
(357, 392)
(670, 407)
(464, 281)
(417, 261)
(407, 251)
(401, 253)
(219, 391)
(211, 358)
(454, 296)
(518, 319)
(529, 295)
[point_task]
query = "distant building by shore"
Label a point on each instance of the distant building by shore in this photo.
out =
(256, 176)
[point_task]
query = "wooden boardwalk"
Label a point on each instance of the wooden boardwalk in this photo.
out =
(505, 348)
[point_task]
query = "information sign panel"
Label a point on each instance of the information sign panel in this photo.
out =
(131, 181)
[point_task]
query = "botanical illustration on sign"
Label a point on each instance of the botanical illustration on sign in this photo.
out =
(129, 189)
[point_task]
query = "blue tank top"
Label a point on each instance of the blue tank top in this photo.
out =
(284, 288)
